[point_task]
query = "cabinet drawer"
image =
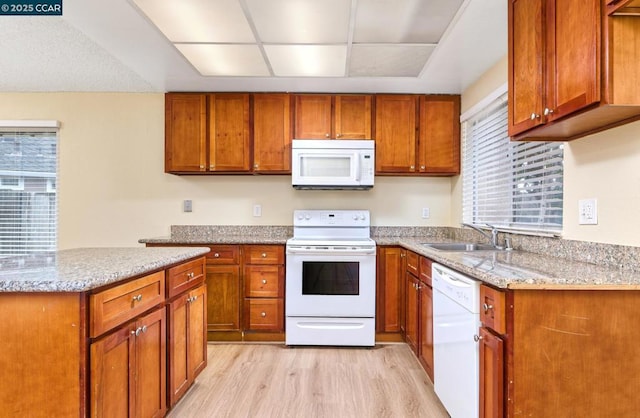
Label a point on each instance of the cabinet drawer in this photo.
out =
(112, 307)
(425, 270)
(492, 309)
(185, 276)
(263, 281)
(264, 314)
(223, 254)
(413, 261)
(264, 254)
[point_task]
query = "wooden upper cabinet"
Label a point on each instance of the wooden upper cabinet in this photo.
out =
(352, 117)
(573, 67)
(313, 116)
(185, 132)
(395, 133)
(229, 132)
(320, 116)
(439, 134)
(271, 133)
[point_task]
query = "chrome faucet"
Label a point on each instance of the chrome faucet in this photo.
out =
(493, 238)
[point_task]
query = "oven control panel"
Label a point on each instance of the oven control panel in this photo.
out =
(320, 218)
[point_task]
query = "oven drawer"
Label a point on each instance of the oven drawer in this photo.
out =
(115, 306)
(263, 281)
(223, 254)
(264, 314)
(263, 254)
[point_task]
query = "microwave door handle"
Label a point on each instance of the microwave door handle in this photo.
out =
(358, 156)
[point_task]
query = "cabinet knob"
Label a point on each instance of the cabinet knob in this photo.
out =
(137, 298)
(201, 167)
(212, 167)
(413, 167)
(338, 135)
(255, 165)
(477, 338)
(327, 135)
(487, 307)
(263, 314)
(191, 275)
(548, 111)
(216, 255)
(422, 167)
(263, 255)
(534, 116)
(264, 281)
(138, 331)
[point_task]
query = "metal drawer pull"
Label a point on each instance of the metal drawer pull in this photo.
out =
(264, 281)
(487, 307)
(216, 255)
(137, 298)
(477, 338)
(264, 255)
(191, 275)
(263, 314)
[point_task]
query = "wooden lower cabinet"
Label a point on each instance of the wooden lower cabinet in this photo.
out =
(425, 336)
(491, 374)
(223, 310)
(412, 327)
(128, 369)
(389, 290)
(187, 341)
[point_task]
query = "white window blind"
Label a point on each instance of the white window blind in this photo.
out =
(28, 201)
(510, 185)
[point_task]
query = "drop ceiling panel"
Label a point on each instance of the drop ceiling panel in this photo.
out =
(403, 21)
(307, 60)
(301, 21)
(388, 60)
(225, 60)
(199, 20)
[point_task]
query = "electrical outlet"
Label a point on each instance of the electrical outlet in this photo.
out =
(588, 212)
(426, 213)
(257, 210)
(187, 206)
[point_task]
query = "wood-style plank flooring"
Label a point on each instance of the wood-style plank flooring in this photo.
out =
(268, 380)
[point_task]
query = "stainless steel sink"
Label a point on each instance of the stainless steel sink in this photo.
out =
(460, 246)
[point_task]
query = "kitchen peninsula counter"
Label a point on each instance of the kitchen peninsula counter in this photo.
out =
(84, 269)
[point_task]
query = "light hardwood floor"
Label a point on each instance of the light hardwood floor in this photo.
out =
(267, 380)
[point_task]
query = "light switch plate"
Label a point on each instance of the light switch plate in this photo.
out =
(187, 206)
(588, 211)
(257, 210)
(426, 213)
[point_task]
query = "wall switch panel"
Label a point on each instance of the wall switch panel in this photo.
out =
(257, 210)
(588, 211)
(187, 206)
(426, 213)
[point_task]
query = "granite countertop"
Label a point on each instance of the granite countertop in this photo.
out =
(216, 239)
(83, 269)
(522, 269)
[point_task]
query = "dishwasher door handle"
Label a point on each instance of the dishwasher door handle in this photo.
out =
(454, 281)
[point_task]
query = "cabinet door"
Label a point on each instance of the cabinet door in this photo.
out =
(151, 364)
(426, 328)
(313, 116)
(411, 330)
(111, 378)
(439, 135)
(526, 64)
(223, 298)
(352, 116)
(271, 133)
(574, 65)
(229, 132)
(389, 285)
(197, 341)
(395, 134)
(178, 372)
(491, 375)
(185, 132)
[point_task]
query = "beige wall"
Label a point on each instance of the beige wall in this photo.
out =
(112, 189)
(602, 166)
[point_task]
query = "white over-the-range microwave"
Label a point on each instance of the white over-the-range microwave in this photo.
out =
(332, 164)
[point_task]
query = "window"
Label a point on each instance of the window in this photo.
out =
(28, 194)
(509, 185)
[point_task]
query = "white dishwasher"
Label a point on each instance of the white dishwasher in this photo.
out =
(456, 319)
